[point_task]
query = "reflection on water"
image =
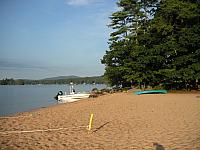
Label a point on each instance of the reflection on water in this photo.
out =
(19, 98)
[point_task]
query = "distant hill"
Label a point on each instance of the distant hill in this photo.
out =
(61, 78)
(56, 80)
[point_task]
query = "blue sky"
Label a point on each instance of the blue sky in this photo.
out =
(47, 38)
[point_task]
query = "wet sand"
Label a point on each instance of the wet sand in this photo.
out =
(121, 121)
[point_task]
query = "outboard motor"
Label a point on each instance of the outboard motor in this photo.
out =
(59, 93)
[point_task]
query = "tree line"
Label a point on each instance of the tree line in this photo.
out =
(154, 43)
(81, 80)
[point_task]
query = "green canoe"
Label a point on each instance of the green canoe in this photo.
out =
(151, 92)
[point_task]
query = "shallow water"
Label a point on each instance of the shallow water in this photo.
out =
(20, 98)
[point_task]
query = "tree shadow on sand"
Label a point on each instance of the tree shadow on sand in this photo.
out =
(158, 146)
(97, 129)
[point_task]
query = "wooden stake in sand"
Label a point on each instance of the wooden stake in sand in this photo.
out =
(90, 123)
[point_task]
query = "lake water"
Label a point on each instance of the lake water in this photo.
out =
(20, 98)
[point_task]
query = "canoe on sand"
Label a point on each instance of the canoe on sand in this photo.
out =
(151, 92)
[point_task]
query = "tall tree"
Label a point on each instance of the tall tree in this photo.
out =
(117, 45)
(122, 58)
(176, 32)
(153, 41)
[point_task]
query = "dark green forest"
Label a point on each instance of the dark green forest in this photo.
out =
(154, 43)
(78, 80)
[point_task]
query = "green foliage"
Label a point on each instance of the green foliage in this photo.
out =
(153, 49)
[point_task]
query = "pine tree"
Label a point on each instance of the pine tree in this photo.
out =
(122, 65)
(153, 42)
(176, 32)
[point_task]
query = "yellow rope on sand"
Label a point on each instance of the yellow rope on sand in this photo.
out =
(16, 116)
(42, 130)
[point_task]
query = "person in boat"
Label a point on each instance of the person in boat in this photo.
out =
(73, 91)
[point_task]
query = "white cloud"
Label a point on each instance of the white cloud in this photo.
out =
(79, 2)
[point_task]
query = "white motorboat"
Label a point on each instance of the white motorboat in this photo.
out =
(72, 96)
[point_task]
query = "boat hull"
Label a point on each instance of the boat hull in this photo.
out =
(73, 97)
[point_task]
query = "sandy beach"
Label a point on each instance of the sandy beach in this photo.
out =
(121, 121)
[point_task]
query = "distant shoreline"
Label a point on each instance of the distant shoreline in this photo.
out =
(77, 80)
